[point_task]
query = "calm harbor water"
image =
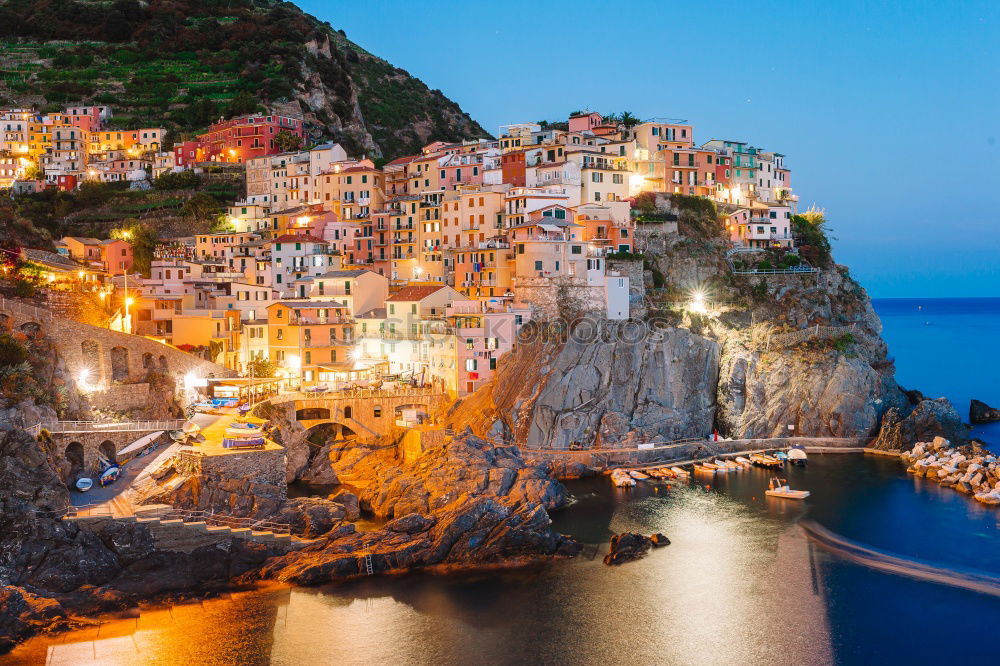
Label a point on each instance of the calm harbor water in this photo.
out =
(739, 585)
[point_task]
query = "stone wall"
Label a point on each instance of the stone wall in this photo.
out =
(109, 357)
(555, 296)
(120, 397)
(262, 467)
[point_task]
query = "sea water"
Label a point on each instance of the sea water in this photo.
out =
(947, 347)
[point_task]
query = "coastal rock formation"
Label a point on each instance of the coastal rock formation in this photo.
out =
(929, 419)
(468, 531)
(628, 546)
(980, 412)
(465, 465)
(609, 384)
(968, 469)
(23, 614)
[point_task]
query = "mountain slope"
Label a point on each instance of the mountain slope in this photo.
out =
(184, 63)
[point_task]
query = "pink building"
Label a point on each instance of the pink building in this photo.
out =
(584, 122)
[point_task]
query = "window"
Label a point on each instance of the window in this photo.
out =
(471, 364)
(281, 334)
(538, 265)
(470, 343)
(377, 411)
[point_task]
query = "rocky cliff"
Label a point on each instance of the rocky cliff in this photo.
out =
(774, 350)
(184, 63)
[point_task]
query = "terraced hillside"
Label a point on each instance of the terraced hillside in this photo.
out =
(184, 63)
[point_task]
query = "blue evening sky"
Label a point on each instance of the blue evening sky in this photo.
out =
(888, 111)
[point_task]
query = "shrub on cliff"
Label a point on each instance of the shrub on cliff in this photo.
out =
(809, 229)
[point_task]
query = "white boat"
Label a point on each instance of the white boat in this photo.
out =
(680, 473)
(636, 474)
(84, 484)
(744, 462)
(779, 488)
(797, 456)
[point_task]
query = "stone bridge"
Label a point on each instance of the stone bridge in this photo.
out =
(100, 358)
(82, 443)
(368, 414)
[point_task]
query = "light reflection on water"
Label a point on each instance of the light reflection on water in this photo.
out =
(738, 585)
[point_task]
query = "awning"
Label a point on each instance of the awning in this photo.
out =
(549, 227)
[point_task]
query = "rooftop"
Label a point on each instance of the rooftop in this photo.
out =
(415, 293)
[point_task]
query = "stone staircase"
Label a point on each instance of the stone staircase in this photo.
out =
(177, 535)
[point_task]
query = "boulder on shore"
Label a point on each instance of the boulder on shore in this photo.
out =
(629, 546)
(980, 412)
(929, 419)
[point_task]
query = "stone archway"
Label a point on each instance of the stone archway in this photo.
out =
(163, 362)
(30, 328)
(119, 364)
(323, 433)
(148, 363)
(109, 451)
(312, 414)
(76, 458)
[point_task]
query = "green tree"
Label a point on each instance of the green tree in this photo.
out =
(203, 206)
(286, 141)
(261, 367)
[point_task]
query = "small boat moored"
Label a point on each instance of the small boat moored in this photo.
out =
(84, 484)
(779, 488)
(636, 474)
(621, 479)
(680, 473)
(797, 456)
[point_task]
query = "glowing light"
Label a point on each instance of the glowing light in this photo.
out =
(51, 277)
(357, 354)
(697, 303)
(303, 220)
(81, 275)
(192, 380)
(102, 295)
(294, 362)
(129, 301)
(82, 380)
(126, 235)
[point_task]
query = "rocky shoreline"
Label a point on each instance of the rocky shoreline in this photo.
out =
(466, 505)
(968, 469)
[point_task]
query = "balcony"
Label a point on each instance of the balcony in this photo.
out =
(604, 166)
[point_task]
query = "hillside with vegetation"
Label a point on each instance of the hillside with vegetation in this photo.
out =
(183, 64)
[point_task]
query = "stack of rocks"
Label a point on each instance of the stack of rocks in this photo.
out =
(967, 469)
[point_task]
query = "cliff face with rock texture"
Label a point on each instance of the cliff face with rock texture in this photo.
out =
(466, 503)
(599, 387)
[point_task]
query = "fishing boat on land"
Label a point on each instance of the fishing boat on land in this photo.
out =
(779, 488)
(84, 484)
(109, 475)
(680, 473)
(621, 479)
(636, 474)
(243, 435)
